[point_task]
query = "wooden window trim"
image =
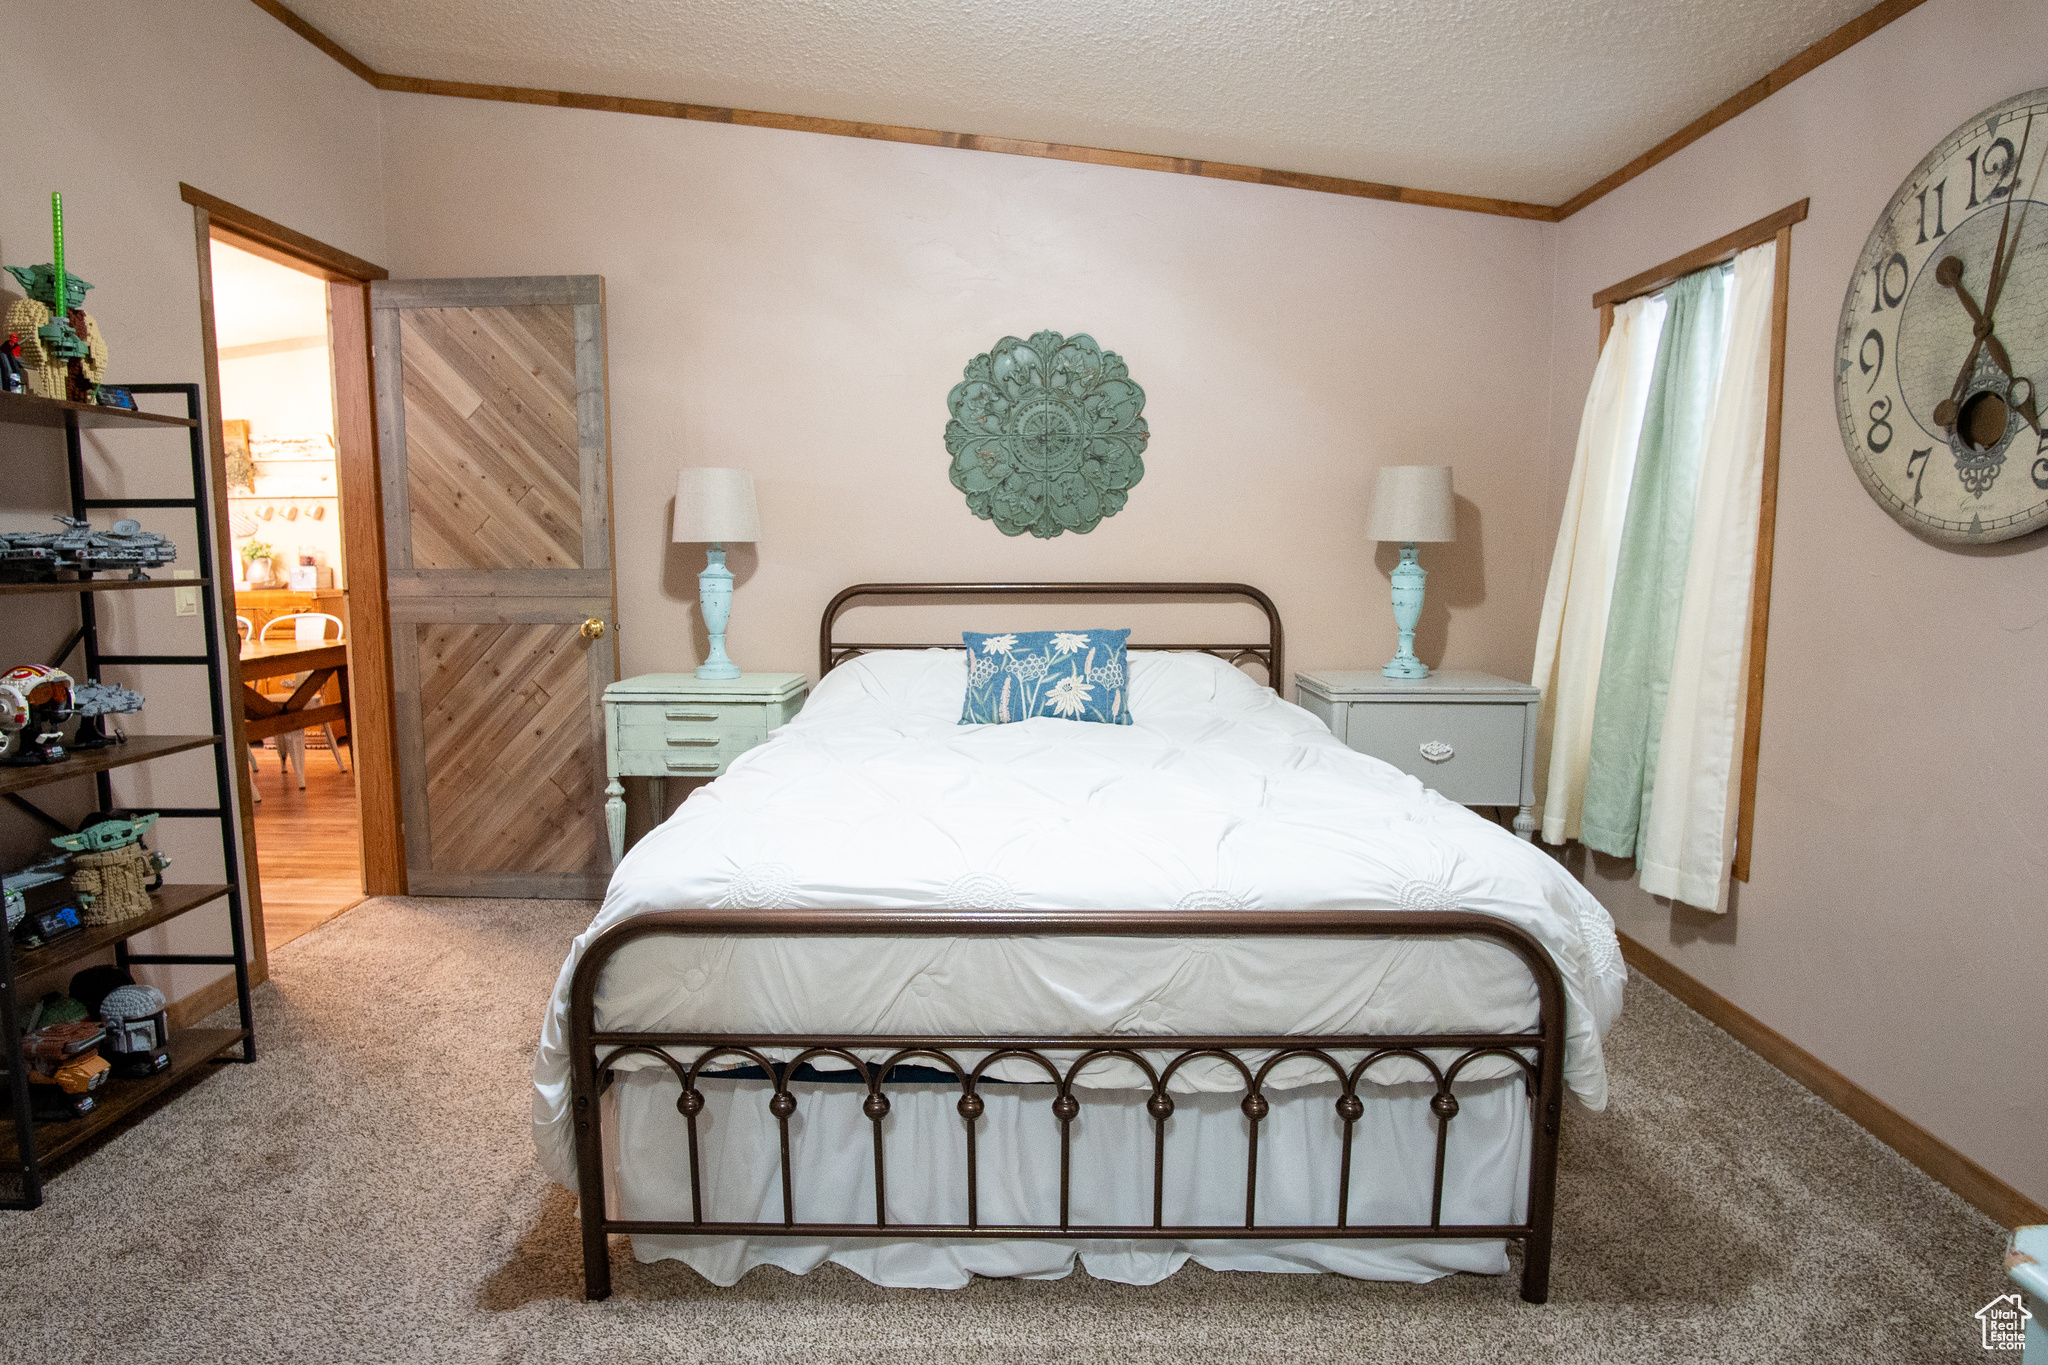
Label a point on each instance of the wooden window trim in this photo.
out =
(1774, 227)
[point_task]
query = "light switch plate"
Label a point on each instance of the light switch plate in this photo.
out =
(187, 599)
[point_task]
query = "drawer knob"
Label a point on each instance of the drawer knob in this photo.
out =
(684, 713)
(696, 741)
(1436, 751)
(678, 765)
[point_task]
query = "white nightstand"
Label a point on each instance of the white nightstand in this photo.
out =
(664, 725)
(1470, 736)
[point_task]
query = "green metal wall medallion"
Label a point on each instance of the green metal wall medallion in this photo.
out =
(1046, 435)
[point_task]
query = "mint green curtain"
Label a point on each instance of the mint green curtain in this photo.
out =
(1649, 578)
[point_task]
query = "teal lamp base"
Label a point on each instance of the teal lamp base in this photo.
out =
(714, 594)
(1408, 581)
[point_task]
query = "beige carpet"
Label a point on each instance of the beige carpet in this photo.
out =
(367, 1192)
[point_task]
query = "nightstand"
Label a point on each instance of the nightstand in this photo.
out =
(664, 725)
(1470, 736)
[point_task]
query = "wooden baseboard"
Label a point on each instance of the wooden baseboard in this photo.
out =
(216, 995)
(1979, 1187)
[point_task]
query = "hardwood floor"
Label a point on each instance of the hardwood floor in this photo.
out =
(307, 855)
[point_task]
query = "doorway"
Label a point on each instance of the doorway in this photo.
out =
(285, 325)
(290, 582)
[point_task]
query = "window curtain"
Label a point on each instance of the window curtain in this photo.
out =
(1573, 630)
(1689, 835)
(1650, 566)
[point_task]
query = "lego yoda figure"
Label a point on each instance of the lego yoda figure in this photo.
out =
(63, 358)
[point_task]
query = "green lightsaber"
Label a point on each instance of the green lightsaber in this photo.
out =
(57, 228)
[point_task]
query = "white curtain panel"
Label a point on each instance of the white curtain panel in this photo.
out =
(1690, 835)
(1574, 626)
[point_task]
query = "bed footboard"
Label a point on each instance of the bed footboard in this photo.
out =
(1539, 1054)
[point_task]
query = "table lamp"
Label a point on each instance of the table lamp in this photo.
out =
(714, 506)
(1413, 504)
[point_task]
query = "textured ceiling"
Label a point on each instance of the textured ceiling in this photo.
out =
(1516, 99)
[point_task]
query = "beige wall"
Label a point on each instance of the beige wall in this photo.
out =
(1897, 921)
(218, 94)
(800, 306)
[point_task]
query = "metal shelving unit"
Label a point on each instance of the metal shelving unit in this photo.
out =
(27, 1146)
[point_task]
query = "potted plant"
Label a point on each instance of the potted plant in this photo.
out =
(257, 570)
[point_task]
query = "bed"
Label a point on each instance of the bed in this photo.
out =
(934, 1001)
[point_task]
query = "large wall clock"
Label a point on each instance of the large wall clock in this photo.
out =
(1943, 348)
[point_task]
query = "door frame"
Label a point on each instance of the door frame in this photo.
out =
(371, 726)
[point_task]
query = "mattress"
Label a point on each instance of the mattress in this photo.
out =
(1219, 796)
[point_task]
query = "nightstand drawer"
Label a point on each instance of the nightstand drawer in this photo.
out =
(644, 723)
(1468, 751)
(681, 752)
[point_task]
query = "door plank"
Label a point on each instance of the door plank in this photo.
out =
(509, 467)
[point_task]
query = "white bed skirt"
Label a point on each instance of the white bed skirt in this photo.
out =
(925, 1155)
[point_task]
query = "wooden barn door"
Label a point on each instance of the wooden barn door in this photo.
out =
(497, 521)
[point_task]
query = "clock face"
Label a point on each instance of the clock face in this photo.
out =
(1944, 336)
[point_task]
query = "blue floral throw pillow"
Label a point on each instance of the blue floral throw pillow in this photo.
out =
(1069, 674)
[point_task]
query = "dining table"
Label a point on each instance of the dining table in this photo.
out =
(322, 662)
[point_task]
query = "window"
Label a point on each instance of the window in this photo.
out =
(1652, 648)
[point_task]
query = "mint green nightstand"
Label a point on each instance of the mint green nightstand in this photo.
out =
(664, 725)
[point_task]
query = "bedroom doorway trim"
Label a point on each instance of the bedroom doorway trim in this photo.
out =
(348, 278)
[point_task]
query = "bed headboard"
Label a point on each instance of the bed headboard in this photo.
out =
(831, 655)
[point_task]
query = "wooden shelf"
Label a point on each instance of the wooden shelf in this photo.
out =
(138, 749)
(192, 1050)
(166, 904)
(101, 585)
(27, 410)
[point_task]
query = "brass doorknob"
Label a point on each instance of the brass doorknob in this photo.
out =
(593, 629)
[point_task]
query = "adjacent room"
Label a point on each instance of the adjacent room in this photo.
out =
(1131, 683)
(290, 588)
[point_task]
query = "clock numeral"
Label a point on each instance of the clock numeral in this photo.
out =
(1880, 413)
(1873, 368)
(1916, 470)
(2002, 179)
(1939, 229)
(1881, 278)
(2040, 469)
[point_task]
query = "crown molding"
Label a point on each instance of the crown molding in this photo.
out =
(1836, 43)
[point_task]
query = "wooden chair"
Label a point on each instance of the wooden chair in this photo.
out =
(291, 747)
(244, 629)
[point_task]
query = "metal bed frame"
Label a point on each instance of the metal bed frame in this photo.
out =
(1539, 1054)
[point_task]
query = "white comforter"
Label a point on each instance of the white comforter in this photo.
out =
(1220, 795)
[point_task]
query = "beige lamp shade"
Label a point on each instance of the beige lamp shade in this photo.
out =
(1413, 503)
(716, 505)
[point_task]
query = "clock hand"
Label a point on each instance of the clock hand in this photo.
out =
(1946, 412)
(2002, 258)
(1950, 274)
(2001, 262)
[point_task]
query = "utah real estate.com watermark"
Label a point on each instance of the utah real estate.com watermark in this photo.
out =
(2004, 1322)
